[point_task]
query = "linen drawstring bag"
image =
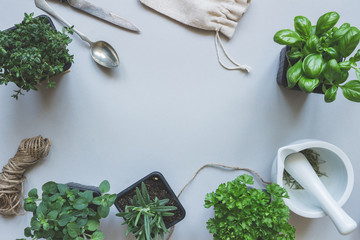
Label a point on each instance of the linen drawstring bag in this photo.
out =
(220, 16)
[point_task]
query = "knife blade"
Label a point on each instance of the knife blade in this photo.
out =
(102, 14)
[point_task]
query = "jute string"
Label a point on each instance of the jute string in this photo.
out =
(12, 178)
(216, 165)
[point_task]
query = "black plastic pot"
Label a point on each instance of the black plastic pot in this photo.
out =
(283, 67)
(153, 179)
(96, 191)
(68, 64)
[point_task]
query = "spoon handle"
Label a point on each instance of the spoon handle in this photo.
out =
(300, 169)
(42, 4)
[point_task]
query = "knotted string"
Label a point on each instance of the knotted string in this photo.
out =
(12, 178)
(216, 165)
(242, 67)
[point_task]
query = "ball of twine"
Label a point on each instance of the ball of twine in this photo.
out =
(30, 151)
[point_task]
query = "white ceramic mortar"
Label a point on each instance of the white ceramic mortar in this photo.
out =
(339, 180)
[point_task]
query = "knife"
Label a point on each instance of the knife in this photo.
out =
(102, 14)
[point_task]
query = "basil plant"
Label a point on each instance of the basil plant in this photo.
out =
(319, 56)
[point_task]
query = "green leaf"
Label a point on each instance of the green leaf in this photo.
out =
(313, 65)
(80, 204)
(92, 225)
(308, 84)
(351, 90)
(341, 32)
(330, 94)
(332, 71)
(302, 26)
(312, 44)
(33, 193)
(27, 232)
(73, 229)
(98, 235)
(288, 37)
(349, 41)
(104, 186)
(357, 56)
(357, 71)
(103, 211)
(293, 74)
(62, 188)
(52, 215)
(332, 53)
(88, 195)
(326, 22)
(50, 187)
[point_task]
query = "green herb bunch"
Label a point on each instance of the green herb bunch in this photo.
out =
(145, 216)
(33, 52)
(319, 55)
(67, 214)
(243, 213)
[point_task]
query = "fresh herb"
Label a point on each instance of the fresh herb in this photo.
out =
(145, 216)
(244, 213)
(319, 55)
(65, 213)
(31, 53)
(313, 158)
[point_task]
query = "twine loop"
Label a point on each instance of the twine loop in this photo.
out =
(12, 177)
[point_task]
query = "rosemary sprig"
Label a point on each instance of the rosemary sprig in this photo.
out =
(313, 158)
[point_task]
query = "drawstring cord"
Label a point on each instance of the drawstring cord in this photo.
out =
(237, 66)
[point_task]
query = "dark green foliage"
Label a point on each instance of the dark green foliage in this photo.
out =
(32, 53)
(318, 56)
(145, 216)
(243, 213)
(67, 214)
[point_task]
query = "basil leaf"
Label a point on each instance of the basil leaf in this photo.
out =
(293, 74)
(288, 37)
(326, 22)
(340, 32)
(357, 71)
(330, 94)
(332, 71)
(345, 65)
(98, 235)
(349, 41)
(313, 65)
(357, 56)
(312, 44)
(351, 90)
(73, 230)
(331, 52)
(293, 55)
(302, 26)
(308, 84)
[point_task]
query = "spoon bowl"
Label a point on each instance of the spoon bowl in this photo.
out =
(104, 54)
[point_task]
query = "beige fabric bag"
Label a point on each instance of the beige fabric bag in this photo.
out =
(215, 15)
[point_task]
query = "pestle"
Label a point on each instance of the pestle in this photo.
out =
(300, 169)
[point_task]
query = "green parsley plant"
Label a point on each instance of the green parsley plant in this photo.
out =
(245, 213)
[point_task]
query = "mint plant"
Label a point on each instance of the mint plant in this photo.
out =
(33, 52)
(244, 213)
(319, 55)
(145, 216)
(67, 214)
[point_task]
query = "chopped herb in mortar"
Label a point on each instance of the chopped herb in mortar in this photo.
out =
(313, 158)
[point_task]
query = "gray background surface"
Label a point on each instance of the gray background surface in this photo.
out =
(171, 107)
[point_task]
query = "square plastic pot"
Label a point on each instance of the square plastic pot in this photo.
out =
(157, 186)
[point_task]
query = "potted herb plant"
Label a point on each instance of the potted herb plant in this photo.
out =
(68, 211)
(242, 212)
(149, 212)
(33, 51)
(317, 57)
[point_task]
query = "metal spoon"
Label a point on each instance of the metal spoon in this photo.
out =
(102, 52)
